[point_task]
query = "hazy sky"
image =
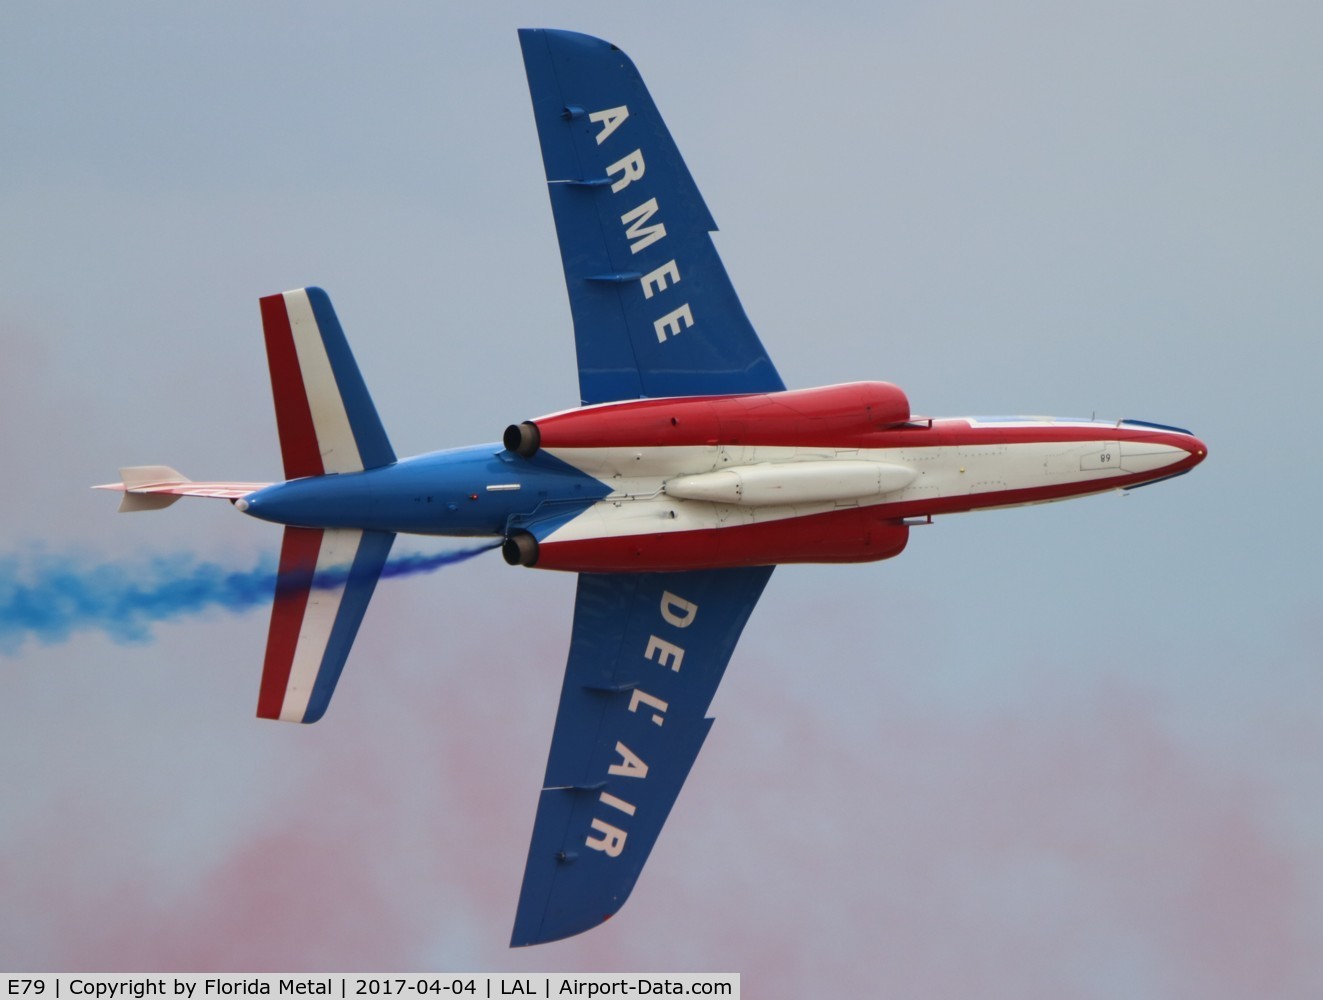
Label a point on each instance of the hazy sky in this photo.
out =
(1066, 751)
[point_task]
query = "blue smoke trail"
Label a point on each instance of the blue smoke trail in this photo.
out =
(47, 597)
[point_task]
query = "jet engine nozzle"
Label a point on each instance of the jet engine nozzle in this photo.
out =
(523, 439)
(520, 549)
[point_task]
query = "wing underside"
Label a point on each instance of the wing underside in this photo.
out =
(646, 655)
(654, 311)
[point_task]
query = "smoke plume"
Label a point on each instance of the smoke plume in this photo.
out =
(46, 597)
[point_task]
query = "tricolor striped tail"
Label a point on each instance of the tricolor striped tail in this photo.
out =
(327, 424)
(325, 581)
(325, 417)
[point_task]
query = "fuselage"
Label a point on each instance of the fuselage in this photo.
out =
(822, 475)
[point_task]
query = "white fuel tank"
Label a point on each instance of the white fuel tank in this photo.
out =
(777, 483)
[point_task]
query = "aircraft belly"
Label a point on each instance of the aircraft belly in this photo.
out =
(614, 466)
(688, 492)
(718, 503)
(655, 515)
(1017, 468)
(783, 481)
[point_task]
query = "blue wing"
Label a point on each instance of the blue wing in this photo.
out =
(654, 311)
(646, 655)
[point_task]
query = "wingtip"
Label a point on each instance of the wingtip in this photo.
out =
(541, 930)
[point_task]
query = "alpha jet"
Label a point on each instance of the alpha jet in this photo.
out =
(685, 476)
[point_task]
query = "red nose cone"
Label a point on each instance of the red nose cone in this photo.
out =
(1197, 449)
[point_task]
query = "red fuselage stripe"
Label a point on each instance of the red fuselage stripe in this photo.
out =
(853, 415)
(855, 534)
(802, 416)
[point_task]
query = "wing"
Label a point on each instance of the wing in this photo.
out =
(325, 581)
(654, 311)
(646, 655)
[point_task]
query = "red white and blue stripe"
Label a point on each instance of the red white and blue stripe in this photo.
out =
(327, 424)
(326, 579)
(326, 418)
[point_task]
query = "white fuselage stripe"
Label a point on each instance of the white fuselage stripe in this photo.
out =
(638, 503)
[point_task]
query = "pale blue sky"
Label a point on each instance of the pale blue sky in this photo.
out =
(1071, 751)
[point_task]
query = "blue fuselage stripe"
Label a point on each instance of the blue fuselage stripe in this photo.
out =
(460, 492)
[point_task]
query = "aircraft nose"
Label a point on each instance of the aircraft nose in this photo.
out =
(1158, 451)
(1197, 449)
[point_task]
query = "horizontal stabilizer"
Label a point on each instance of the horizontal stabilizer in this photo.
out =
(325, 417)
(153, 487)
(326, 578)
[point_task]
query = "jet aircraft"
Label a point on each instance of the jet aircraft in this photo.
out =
(686, 474)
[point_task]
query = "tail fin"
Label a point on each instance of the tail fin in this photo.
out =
(326, 579)
(139, 478)
(325, 417)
